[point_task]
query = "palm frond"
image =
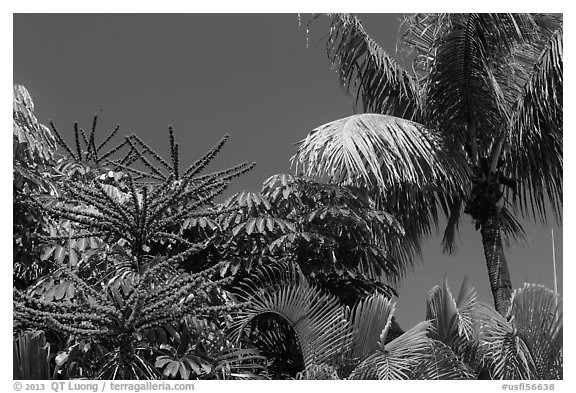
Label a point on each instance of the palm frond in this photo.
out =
(316, 320)
(31, 356)
(536, 136)
(440, 311)
(407, 166)
(536, 313)
(442, 364)
(368, 72)
(504, 352)
(420, 36)
(512, 230)
(318, 372)
(375, 150)
(455, 321)
(449, 238)
(368, 319)
(466, 306)
(239, 363)
(398, 359)
(423, 32)
(463, 97)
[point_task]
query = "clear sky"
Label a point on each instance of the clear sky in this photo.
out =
(250, 75)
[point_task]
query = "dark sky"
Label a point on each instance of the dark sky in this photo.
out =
(249, 75)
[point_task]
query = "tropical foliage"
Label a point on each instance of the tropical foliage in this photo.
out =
(127, 266)
(31, 356)
(110, 302)
(474, 127)
(307, 332)
(335, 234)
(33, 149)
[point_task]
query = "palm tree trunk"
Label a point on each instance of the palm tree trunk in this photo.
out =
(496, 261)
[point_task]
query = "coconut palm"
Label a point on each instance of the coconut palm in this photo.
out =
(474, 127)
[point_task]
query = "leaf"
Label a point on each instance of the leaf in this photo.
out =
(443, 364)
(504, 352)
(60, 290)
(60, 254)
(370, 320)
(81, 244)
(174, 368)
(537, 136)
(269, 224)
(73, 257)
(399, 358)
(224, 268)
(184, 371)
(260, 223)
(49, 294)
(47, 252)
(375, 150)
(234, 268)
(206, 367)
(537, 315)
(31, 139)
(250, 226)
(161, 361)
(31, 356)
(237, 229)
(316, 319)
(193, 365)
(116, 296)
(367, 72)
(170, 367)
(61, 358)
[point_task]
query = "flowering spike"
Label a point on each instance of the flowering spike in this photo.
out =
(176, 163)
(202, 162)
(108, 138)
(61, 140)
(77, 139)
(92, 144)
(149, 150)
(151, 293)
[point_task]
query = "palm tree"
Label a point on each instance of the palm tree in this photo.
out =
(475, 127)
(307, 333)
(524, 344)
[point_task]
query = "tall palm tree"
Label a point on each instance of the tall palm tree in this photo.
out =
(474, 127)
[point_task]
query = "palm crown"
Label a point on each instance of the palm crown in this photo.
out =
(476, 126)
